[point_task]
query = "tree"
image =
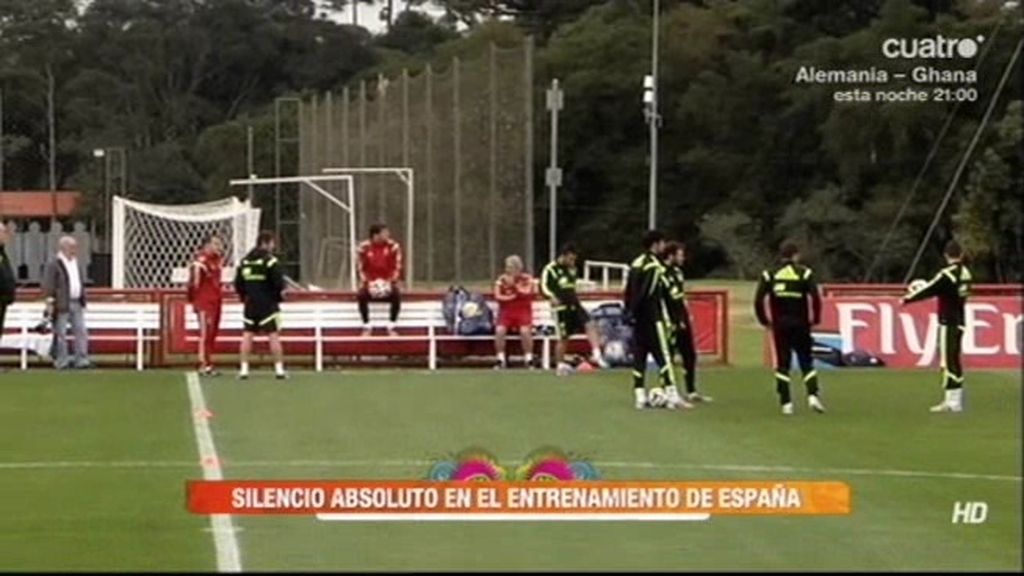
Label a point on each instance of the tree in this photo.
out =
(540, 17)
(738, 236)
(35, 56)
(416, 33)
(988, 220)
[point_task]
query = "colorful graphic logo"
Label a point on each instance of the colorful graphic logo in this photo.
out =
(543, 465)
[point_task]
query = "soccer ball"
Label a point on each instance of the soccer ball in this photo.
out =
(916, 285)
(656, 398)
(471, 310)
(380, 288)
(615, 352)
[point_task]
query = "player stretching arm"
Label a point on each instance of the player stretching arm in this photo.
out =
(558, 284)
(788, 288)
(206, 296)
(951, 287)
(514, 292)
(259, 283)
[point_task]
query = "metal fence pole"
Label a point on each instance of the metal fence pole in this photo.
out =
(361, 199)
(528, 151)
(329, 122)
(1, 139)
(344, 127)
(250, 162)
(492, 199)
(457, 198)
(429, 78)
(382, 141)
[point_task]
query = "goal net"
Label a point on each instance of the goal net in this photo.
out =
(150, 242)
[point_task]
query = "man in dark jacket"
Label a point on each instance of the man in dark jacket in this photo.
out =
(64, 290)
(7, 279)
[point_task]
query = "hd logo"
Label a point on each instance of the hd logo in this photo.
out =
(939, 47)
(970, 512)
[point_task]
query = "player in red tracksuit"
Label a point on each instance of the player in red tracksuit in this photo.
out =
(514, 291)
(380, 268)
(204, 292)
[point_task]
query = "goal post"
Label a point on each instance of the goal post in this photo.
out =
(150, 242)
(346, 203)
(408, 178)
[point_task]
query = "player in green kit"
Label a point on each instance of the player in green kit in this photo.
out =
(259, 283)
(558, 284)
(951, 287)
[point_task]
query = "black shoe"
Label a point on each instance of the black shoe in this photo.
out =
(208, 371)
(243, 376)
(499, 365)
(283, 376)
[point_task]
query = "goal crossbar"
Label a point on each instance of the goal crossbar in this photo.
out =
(312, 181)
(408, 177)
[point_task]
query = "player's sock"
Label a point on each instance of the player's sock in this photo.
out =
(691, 385)
(640, 397)
(528, 359)
(782, 387)
(955, 397)
(279, 368)
(811, 382)
(638, 379)
(243, 369)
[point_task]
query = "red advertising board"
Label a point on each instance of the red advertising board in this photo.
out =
(905, 336)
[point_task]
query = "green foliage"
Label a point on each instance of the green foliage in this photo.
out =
(738, 236)
(988, 220)
(747, 156)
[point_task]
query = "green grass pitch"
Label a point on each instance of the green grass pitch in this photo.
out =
(93, 465)
(93, 470)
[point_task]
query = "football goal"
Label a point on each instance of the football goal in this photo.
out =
(152, 244)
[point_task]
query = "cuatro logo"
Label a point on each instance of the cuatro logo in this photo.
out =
(543, 465)
(939, 47)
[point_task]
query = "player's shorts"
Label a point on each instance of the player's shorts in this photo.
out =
(515, 319)
(571, 320)
(261, 319)
(207, 307)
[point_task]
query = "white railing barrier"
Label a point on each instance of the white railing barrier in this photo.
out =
(605, 270)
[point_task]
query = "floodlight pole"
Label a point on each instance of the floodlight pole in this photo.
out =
(653, 119)
(553, 176)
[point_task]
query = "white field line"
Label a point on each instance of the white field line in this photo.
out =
(370, 464)
(229, 559)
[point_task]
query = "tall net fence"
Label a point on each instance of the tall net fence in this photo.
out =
(464, 128)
